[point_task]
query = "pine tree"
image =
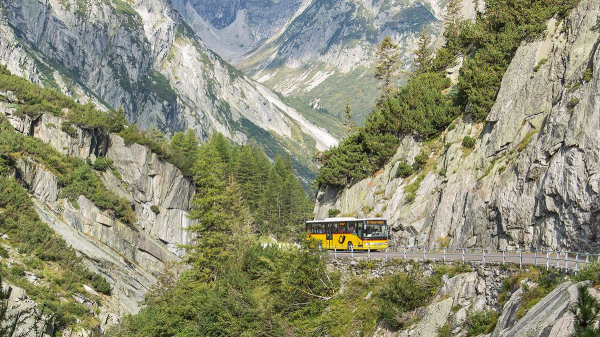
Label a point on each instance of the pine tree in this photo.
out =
(423, 54)
(210, 208)
(272, 201)
(349, 126)
(156, 136)
(388, 63)
(586, 313)
(288, 164)
(446, 57)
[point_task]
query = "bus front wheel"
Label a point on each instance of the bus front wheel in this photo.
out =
(349, 246)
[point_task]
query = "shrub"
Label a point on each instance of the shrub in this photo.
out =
(155, 209)
(3, 252)
(540, 64)
(468, 142)
(67, 128)
(588, 74)
(17, 270)
(573, 103)
(404, 170)
(332, 213)
(420, 160)
(590, 272)
(102, 163)
(100, 284)
(481, 322)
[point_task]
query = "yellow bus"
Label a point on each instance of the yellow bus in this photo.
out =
(349, 233)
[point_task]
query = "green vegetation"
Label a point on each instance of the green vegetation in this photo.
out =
(588, 74)
(102, 163)
(586, 314)
(425, 107)
(404, 170)
(540, 64)
(591, 273)
(493, 41)
(332, 213)
(275, 292)
(37, 100)
(155, 209)
(75, 177)
(525, 142)
(573, 103)
(468, 142)
(63, 272)
(545, 282)
(481, 322)
(410, 191)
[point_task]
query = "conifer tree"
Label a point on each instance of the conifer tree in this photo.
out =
(349, 126)
(586, 313)
(423, 54)
(388, 63)
(272, 200)
(156, 136)
(209, 207)
(288, 164)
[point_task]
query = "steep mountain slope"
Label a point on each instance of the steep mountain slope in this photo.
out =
(141, 56)
(234, 28)
(531, 179)
(325, 55)
(318, 54)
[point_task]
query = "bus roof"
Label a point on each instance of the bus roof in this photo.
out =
(344, 219)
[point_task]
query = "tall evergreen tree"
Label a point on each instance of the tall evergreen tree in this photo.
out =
(423, 54)
(349, 126)
(210, 208)
(272, 201)
(388, 63)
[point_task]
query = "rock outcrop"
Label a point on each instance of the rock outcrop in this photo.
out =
(532, 178)
(129, 256)
(28, 316)
(550, 317)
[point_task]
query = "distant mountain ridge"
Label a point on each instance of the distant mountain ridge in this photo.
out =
(323, 55)
(142, 56)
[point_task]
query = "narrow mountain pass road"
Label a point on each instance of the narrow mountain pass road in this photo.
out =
(569, 261)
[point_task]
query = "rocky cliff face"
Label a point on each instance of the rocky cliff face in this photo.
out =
(130, 257)
(142, 57)
(532, 178)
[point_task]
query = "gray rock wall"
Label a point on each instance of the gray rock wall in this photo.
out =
(145, 179)
(129, 256)
(532, 178)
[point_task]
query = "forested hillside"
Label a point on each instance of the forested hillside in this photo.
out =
(238, 190)
(429, 102)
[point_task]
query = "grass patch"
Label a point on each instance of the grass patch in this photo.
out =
(525, 142)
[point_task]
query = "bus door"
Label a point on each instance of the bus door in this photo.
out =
(329, 235)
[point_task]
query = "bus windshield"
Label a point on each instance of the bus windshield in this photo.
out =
(375, 231)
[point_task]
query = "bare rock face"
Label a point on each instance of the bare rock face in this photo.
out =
(532, 179)
(154, 182)
(550, 317)
(20, 308)
(129, 256)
